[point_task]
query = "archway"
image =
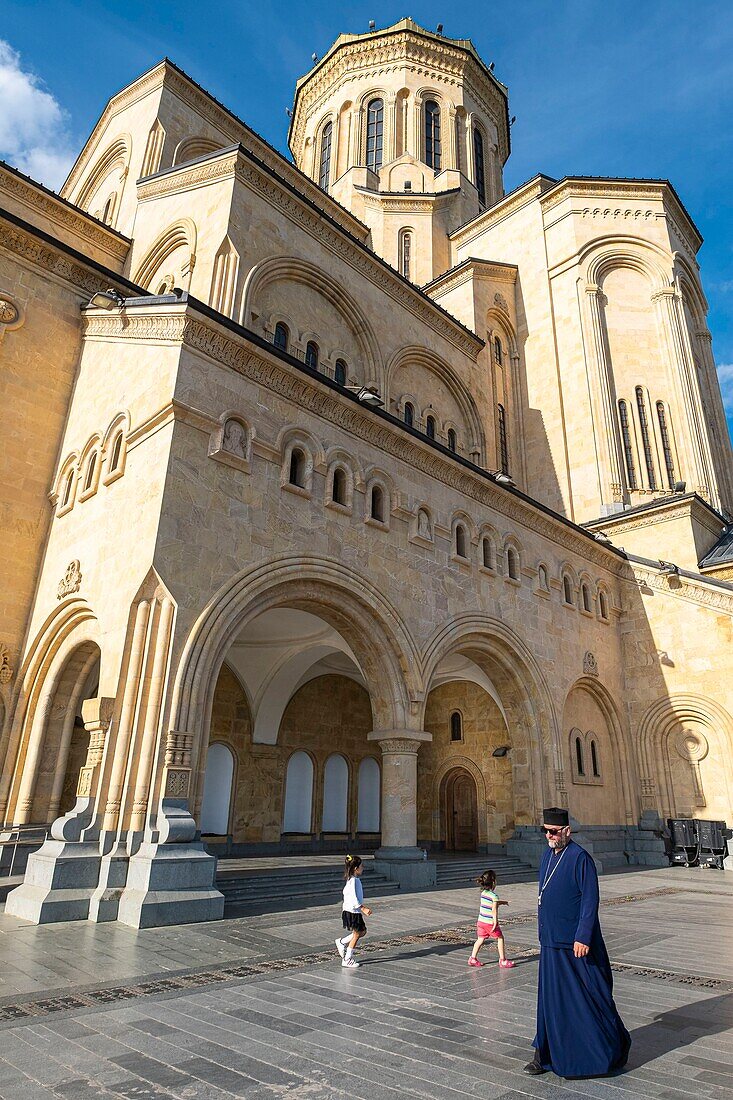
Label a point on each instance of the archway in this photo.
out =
(459, 806)
(216, 804)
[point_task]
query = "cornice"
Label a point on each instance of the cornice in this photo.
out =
(199, 333)
(46, 256)
(661, 511)
(512, 202)
(216, 167)
(701, 593)
(62, 213)
(469, 270)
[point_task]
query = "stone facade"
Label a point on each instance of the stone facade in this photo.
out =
(294, 532)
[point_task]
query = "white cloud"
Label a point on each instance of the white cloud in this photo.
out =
(34, 135)
(725, 374)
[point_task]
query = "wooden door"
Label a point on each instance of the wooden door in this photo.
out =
(463, 813)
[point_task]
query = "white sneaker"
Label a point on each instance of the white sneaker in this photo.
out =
(351, 963)
(341, 948)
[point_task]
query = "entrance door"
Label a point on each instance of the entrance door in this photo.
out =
(461, 812)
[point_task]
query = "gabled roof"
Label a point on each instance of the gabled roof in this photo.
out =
(722, 552)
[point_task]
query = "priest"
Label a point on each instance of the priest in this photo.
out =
(579, 1030)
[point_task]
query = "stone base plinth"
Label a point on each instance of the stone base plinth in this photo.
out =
(170, 884)
(59, 882)
(406, 866)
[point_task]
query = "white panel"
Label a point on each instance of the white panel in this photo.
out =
(335, 795)
(298, 794)
(217, 790)
(368, 821)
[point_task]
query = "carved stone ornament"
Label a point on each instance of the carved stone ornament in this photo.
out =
(6, 670)
(590, 664)
(71, 581)
(500, 301)
(10, 315)
(176, 783)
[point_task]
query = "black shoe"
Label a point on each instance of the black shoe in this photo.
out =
(534, 1068)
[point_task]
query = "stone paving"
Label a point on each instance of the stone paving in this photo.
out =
(260, 1007)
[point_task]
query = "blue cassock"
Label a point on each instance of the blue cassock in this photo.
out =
(579, 1031)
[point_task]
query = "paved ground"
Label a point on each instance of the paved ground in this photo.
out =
(259, 1006)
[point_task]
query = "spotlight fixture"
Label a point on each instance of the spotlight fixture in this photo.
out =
(107, 299)
(439, 28)
(512, 120)
(372, 24)
(503, 479)
(501, 750)
(601, 536)
(679, 486)
(288, 112)
(491, 66)
(314, 57)
(367, 396)
(668, 568)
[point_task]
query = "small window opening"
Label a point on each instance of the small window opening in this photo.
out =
(579, 756)
(339, 373)
(409, 414)
(376, 510)
(603, 603)
(456, 726)
(311, 355)
(461, 541)
(452, 440)
(338, 492)
(594, 759)
(586, 597)
(116, 453)
(67, 488)
(486, 555)
(430, 427)
(91, 467)
(567, 589)
(498, 351)
(282, 335)
(296, 474)
(512, 561)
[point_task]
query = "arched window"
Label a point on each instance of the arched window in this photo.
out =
(452, 440)
(543, 578)
(282, 335)
(567, 590)
(376, 503)
(585, 594)
(666, 448)
(432, 135)
(114, 461)
(339, 373)
(512, 563)
(311, 355)
(405, 252)
(498, 351)
(478, 163)
(409, 414)
(461, 542)
(503, 444)
(217, 790)
(91, 467)
(298, 794)
(623, 415)
(296, 473)
(368, 812)
(335, 795)
(375, 134)
(324, 174)
(456, 726)
(594, 759)
(338, 490)
(646, 441)
(603, 604)
(108, 209)
(487, 555)
(579, 756)
(68, 486)
(430, 427)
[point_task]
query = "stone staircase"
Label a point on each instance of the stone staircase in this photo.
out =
(461, 872)
(607, 846)
(273, 888)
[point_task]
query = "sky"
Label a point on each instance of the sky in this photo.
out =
(598, 87)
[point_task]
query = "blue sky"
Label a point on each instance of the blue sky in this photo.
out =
(599, 88)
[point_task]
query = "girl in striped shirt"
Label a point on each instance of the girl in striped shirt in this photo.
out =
(487, 926)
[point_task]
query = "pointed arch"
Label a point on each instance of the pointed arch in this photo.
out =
(181, 235)
(116, 158)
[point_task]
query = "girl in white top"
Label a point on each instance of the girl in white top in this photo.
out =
(352, 916)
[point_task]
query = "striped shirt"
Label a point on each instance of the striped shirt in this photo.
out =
(486, 910)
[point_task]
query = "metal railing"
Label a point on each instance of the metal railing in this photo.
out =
(27, 838)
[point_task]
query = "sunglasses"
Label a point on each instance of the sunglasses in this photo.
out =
(552, 832)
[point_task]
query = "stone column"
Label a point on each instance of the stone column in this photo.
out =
(399, 856)
(611, 471)
(152, 717)
(355, 138)
(452, 139)
(390, 128)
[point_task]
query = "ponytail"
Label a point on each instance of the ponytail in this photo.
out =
(352, 863)
(487, 881)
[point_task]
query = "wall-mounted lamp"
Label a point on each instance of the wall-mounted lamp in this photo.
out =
(501, 751)
(668, 568)
(504, 479)
(107, 299)
(367, 396)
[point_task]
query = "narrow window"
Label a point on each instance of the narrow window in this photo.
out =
(311, 355)
(478, 161)
(664, 431)
(646, 441)
(338, 492)
(339, 373)
(623, 413)
(512, 563)
(430, 427)
(67, 488)
(375, 134)
(432, 135)
(486, 555)
(567, 590)
(585, 592)
(116, 453)
(503, 446)
(376, 510)
(405, 253)
(91, 467)
(452, 440)
(282, 336)
(108, 208)
(456, 726)
(579, 756)
(461, 541)
(498, 351)
(324, 174)
(603, 604)
(409, 414)
(594, 759)
(296, 474)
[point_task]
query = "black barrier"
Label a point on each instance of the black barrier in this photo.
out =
(698, 843)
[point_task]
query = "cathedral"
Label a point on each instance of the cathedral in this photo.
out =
(350, 502)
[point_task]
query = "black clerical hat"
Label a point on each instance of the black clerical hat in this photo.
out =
(555, 815)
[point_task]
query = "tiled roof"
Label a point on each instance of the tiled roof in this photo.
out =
(722, 552)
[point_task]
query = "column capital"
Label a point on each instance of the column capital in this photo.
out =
(399, 742)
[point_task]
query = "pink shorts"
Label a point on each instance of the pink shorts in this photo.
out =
(486, 932)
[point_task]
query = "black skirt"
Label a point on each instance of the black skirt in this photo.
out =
(353, 922)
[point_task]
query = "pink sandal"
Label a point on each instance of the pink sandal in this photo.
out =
(474, 962)
(506, 964)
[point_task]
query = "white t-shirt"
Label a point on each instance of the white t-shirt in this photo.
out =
(353, 895)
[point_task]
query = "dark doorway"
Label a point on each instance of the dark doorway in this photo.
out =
(461, 812)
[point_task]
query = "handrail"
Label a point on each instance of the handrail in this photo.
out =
(19, 836)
